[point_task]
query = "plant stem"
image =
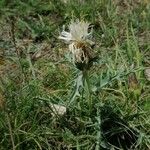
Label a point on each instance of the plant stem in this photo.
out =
(87, 86)
(98, 142)
(10, 130)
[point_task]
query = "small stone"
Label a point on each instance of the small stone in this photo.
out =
(58, 109)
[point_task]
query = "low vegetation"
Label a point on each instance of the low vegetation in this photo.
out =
(46, 103)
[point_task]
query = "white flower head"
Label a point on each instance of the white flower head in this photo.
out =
(78, 32)
(79, 38)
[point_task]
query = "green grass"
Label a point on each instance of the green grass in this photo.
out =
(35, 71)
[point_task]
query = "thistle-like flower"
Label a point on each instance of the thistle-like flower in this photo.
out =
(79, 39)
(78, 31)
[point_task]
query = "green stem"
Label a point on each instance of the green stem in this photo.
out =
(10, 131)
(87, 86)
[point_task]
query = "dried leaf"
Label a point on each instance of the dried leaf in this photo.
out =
(37, 55)
(1, 100)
